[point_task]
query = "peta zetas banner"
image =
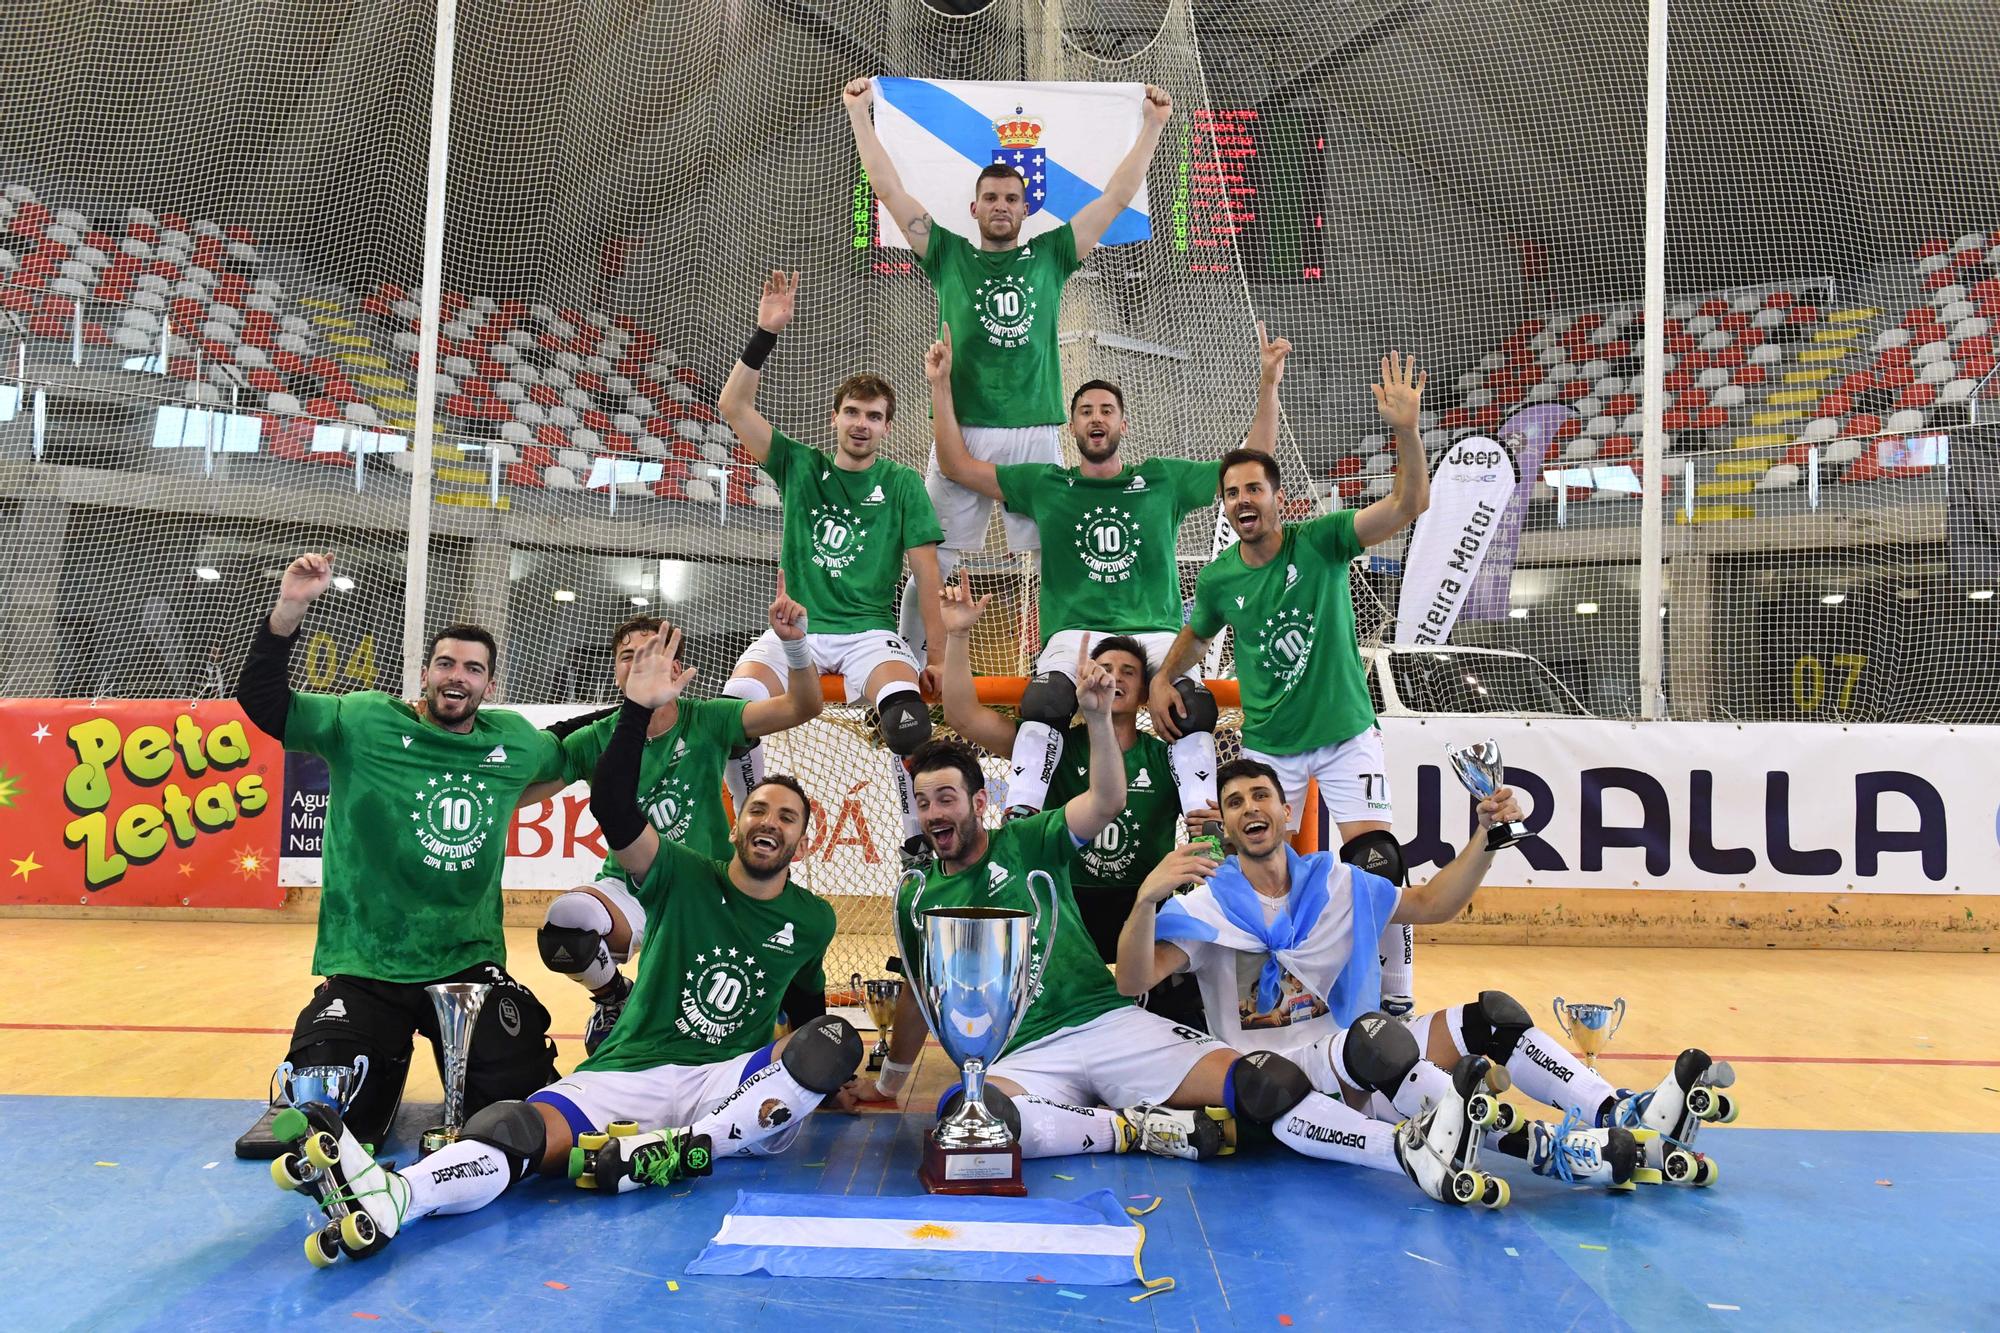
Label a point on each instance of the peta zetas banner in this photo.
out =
(137, 803)
(1777, 807)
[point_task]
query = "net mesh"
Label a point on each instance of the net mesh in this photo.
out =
(211, 234)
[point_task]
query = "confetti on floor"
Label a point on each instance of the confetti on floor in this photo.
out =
(1884, 1182)
(1420, 1259)
(673, 1285)
(1073, 1295)
(1581, 1246)
(1512, 1253)
(1285, 1320)
(557, 1286)
(1713, 1306)
(211, 1166)
(1135, 1196)
(1061, 1176)
(363, 1314)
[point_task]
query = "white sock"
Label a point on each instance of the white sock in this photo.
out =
(1328, 1128)
(766, 1103)
(906, 796)
(1543, 1068)
(1192, 759)
(1398, 952)
(1038, 749)
(457, 1178)
(744, 772)
(1057, 1129)
(585, 911)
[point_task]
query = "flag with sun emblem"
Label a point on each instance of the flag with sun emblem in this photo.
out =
(138, 803)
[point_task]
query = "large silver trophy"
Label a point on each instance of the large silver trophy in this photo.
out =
(973, 971)
(458, 1004)
(333, 1085)
(1590, 1027)
(1478, 767)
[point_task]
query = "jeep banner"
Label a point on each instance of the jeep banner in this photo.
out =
(1470, 494)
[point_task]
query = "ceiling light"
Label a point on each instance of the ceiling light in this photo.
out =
(565, 595)
(1981, 594)
(1586, 608)
(1833, 599)
(1518, 613)
(207, 573)
(343, 584)
(640, 601)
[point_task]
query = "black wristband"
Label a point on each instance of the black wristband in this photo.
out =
(762, 340)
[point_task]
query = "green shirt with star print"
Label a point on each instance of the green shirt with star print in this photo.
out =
(1110, 560)
(845, 533)
(416, 831)
(680, 772)
(1297, 662)
(1006, 367)
(1144, 832)
(715, 967)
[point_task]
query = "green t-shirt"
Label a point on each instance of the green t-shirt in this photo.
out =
(1109, 544)
(1006, 369)
(1297, 663)
(416, 831)
(845, 534)
(715, 967)
(1075, 987)
(680, 773)
(1142, 835)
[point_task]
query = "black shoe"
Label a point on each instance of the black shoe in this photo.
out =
(605, 1016)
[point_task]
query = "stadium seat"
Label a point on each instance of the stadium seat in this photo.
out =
(701, 491)
(1938, 372)
(1779, 476)
(1820, 429)
(1842, 452)
(560, 479)
(1906, 422)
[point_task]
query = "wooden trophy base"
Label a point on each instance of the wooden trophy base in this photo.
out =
(971, 1170)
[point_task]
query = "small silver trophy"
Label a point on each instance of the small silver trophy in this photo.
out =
(1478, 767)
(880, 998)
(334, 1085)
(458, 1004)
(1590, 1027)
(973, 973)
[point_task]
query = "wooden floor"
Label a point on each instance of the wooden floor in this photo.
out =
(1820, 1040)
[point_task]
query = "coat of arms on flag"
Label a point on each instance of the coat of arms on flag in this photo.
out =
(1020, 139)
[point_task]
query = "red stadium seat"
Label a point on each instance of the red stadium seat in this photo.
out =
(1714, 308)
(1680, 378)
(1836, 404)
(1803, 314)
(1621, 404)
(552, 437)
(1346, 467)
(1917, 395)
(1937, 245)
(526, 474)
(539, 456)
(1711, 418)
(1677, 419)
(1861, 423)
(1748, 375)
(1618, 446)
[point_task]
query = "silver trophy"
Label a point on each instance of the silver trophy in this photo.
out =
(1590, 1027)
(333, 1085)
(458, 1004)
(973, 971)
(1478, 767)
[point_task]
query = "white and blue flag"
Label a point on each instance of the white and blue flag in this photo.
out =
(956, 1238)
(1065, 138)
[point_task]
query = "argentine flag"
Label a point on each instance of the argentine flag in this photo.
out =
(1066, 139)
(953, 1238)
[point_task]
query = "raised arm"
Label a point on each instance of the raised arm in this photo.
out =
(650, 683)
(1095, 218)
(963, 712)
(954, 459)
(911, 216)
(1271, 354)
(1445, 894)
(1397, 400)
(1098, 804)
(1163, 700)
(929, 592)
(738, 401)
(1144, 961)
(264, 689)
(802, 699)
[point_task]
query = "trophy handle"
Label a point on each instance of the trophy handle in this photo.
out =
(360, 1077)
(1035, 924)
(1618, 1016)
(909, 937)
(1562, 1019)
(281, 1084)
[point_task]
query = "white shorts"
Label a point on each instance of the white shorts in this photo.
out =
(853, 657)
(1059, 654)
(963, 512)
(620, 893)
(1353, 779)
(658, 1097)
(1122, 1058)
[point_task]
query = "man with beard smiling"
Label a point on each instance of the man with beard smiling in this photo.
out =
(692, 1055)
(1110, 564)
(415, 841)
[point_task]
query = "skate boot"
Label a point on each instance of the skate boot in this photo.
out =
(1193, 1136)
(1689, 1095)
(622, 1159)
(1578, 1155)
(1440, 1148)
(604, 1016)
(362, 1199)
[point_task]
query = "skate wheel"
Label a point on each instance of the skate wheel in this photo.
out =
(592, 1142)
(1707, 1172)
(586, 1181)
(619, 1129)
(1681, 1167)
(1482, 1110)
(289, 1125)
(1727, 1113)
(323, 1246)
(321, 1150)
(1466, 1186)
(287, 1175)
(357, 1233)
(1497, 1193)
(1506, 1118)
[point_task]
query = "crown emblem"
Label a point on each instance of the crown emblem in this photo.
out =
(1019, 130)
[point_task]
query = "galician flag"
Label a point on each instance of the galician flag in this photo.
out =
(955, 1238)
(1065, 138)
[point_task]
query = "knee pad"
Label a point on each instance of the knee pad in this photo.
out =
(905, 721)
(998, 1102)
(822, 1053)
(1267, 1085)
(515, 1128)
(1377, 852)
(1200, 704)
(568, 949)
(1050, 699)
(1493, 1025)
(1379, 1053)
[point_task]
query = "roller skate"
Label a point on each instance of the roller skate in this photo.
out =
(1577, 1154)
(1440, 1148)
(363, 1200)
(604, 1015)
(622, 1159)
(1193, 1136)
(1691, 1094)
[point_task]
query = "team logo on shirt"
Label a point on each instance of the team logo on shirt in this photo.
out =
(1285, 644)
(1291, 576)
(497, 755)
(1138, 484)
(670, 809)
(1005, 307)
(1108, 541)
(452, 816)
(782, 939)
(1111, 853)
(837, 539)
(874, 497)
(716, 991)
(1144, 781)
